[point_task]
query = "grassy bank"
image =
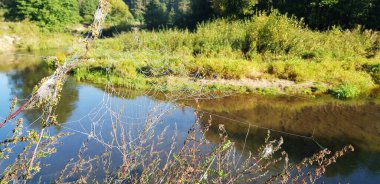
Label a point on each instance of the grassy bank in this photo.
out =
(27, 36)
(344, 63)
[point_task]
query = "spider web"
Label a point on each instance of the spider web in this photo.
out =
(112, 106)
(124, 107)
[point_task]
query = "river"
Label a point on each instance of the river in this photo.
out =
(306, 124)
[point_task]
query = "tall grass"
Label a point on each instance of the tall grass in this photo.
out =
(266, 46)
(32, 38)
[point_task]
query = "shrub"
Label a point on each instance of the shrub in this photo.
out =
(220, 38)
(345, 91)
(294, 70)
(51, 14)
(275, 33)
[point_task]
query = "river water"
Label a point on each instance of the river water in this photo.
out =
(331, 123)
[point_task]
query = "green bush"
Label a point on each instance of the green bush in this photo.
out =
(264, 37)
(220, 38)
(275, 33)
(50, 14)
(345, 91)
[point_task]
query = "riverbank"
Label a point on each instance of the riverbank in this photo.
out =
(297, 115)
(270, 54)
(25, 36)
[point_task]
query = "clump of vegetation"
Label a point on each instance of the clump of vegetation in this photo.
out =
(53, 14)
(221, 68)
(34, 38)
(60, 15)
(221, 38)
(345, 91)
(267, 46)
(275, 34)
(374, 71)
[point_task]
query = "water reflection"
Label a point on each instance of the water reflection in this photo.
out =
(12, 61)
(26, 74)
(332, 123)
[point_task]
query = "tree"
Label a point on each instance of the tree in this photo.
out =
(51, 14)
(201, 10)
(373, 19)
(183, 6)
(172, 17)
(121, 7)
(182, 11)
(155, 15)
(138, 8)
(322, 14)
(235, 8)
(87, 9)
(120, 13)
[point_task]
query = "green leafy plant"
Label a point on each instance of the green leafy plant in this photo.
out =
(345, 91)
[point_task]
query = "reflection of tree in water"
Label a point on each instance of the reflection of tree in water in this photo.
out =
(23, 81)
(354, 122)
(12, 61)
(333, 126)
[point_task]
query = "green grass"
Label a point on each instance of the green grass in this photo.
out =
(32, 38)
(345, 91)
(270, 47)
(344, 63)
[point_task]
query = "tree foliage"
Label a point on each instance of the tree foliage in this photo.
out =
(58, 14)
(317, 14)
(87, 9)
(138, 9)
(52, 14)
(120, 7)
(234, 7)
(323, 14)
(155, 15)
